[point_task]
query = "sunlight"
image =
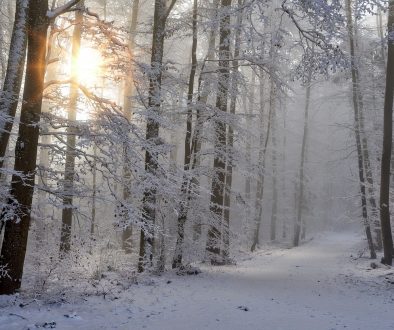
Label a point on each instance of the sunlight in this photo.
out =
(89, 66)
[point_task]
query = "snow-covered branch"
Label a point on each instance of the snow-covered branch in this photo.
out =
(52, 14)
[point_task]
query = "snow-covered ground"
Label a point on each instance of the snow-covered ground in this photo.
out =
(320, 285)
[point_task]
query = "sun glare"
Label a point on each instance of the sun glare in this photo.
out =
(89, 66)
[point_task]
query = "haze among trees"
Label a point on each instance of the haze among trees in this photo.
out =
(150, 137)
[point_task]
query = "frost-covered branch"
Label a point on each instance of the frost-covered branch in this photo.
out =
(52, 14)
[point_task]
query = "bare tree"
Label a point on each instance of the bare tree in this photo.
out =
(13, 78)
(360, 154)
(387, 144)
(219, 165)
(185, 189)
(69, 170)
(128, 106)
(17, 214)
(300, 222)
(18, 211)
(161, 12)
(264, 138)
(230, 134)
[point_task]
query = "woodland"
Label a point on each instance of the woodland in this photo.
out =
(141, 138)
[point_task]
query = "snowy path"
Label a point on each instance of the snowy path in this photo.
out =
(312, 287)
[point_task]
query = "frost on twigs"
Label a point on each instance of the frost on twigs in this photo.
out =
(3, 271)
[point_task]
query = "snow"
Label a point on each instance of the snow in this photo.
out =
(323, 284)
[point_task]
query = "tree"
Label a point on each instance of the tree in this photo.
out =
(13, 79)
(128, 108)
(69, 170)
(17, 213)
(185, 189)
(161, 12)
(387, 144)
(219, 166)
(274, 212)
(301, 180)
(359, 145)
(264, 139)
(230, 135)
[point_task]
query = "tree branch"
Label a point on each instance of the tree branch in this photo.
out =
(52, 14)
(168, 11)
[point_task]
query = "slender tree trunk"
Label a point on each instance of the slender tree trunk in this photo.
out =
(93, 224)
(301, 183)
(128, 106)
(356, 104)
(13, 79)
(16, 232)
(284, 190)
(261, 162)
(230, 136)
(379, 19)
(185, 189)
(249, 138)
(204, 88)
(219, 166)
(387, 145)
(365, 148)
(69, 171)
(161, 13)
(274, 212)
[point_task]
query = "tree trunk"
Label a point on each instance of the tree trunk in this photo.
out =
(274, 212)
(261, 162)
(364, 141)
(387, 145)
(284, 216)
(17, 227)
(204, 88)
(379, 23)
(93, 224)
(128, 105)
(152, 131)
(249, 136)
(69, 171)
(219, 166)
(300, 222)
(230, 136)
(356, 104)
(13, 78)
(185, 190)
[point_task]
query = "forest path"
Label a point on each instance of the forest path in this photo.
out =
(315, 286)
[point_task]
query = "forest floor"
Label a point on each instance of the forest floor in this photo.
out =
(324, 284)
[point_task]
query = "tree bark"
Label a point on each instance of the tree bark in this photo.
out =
(230, 135)
(18, 211)
(300, 222)
(219, 166)
(69, 171)
(13, 78)
(364, 141)
(356, 106)
(204, 88)
(249, 138)
(387, 144)
(161, 13)
(185, 189)
(128, 106)
(284, 217)
(261, 162)
(274, 211)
